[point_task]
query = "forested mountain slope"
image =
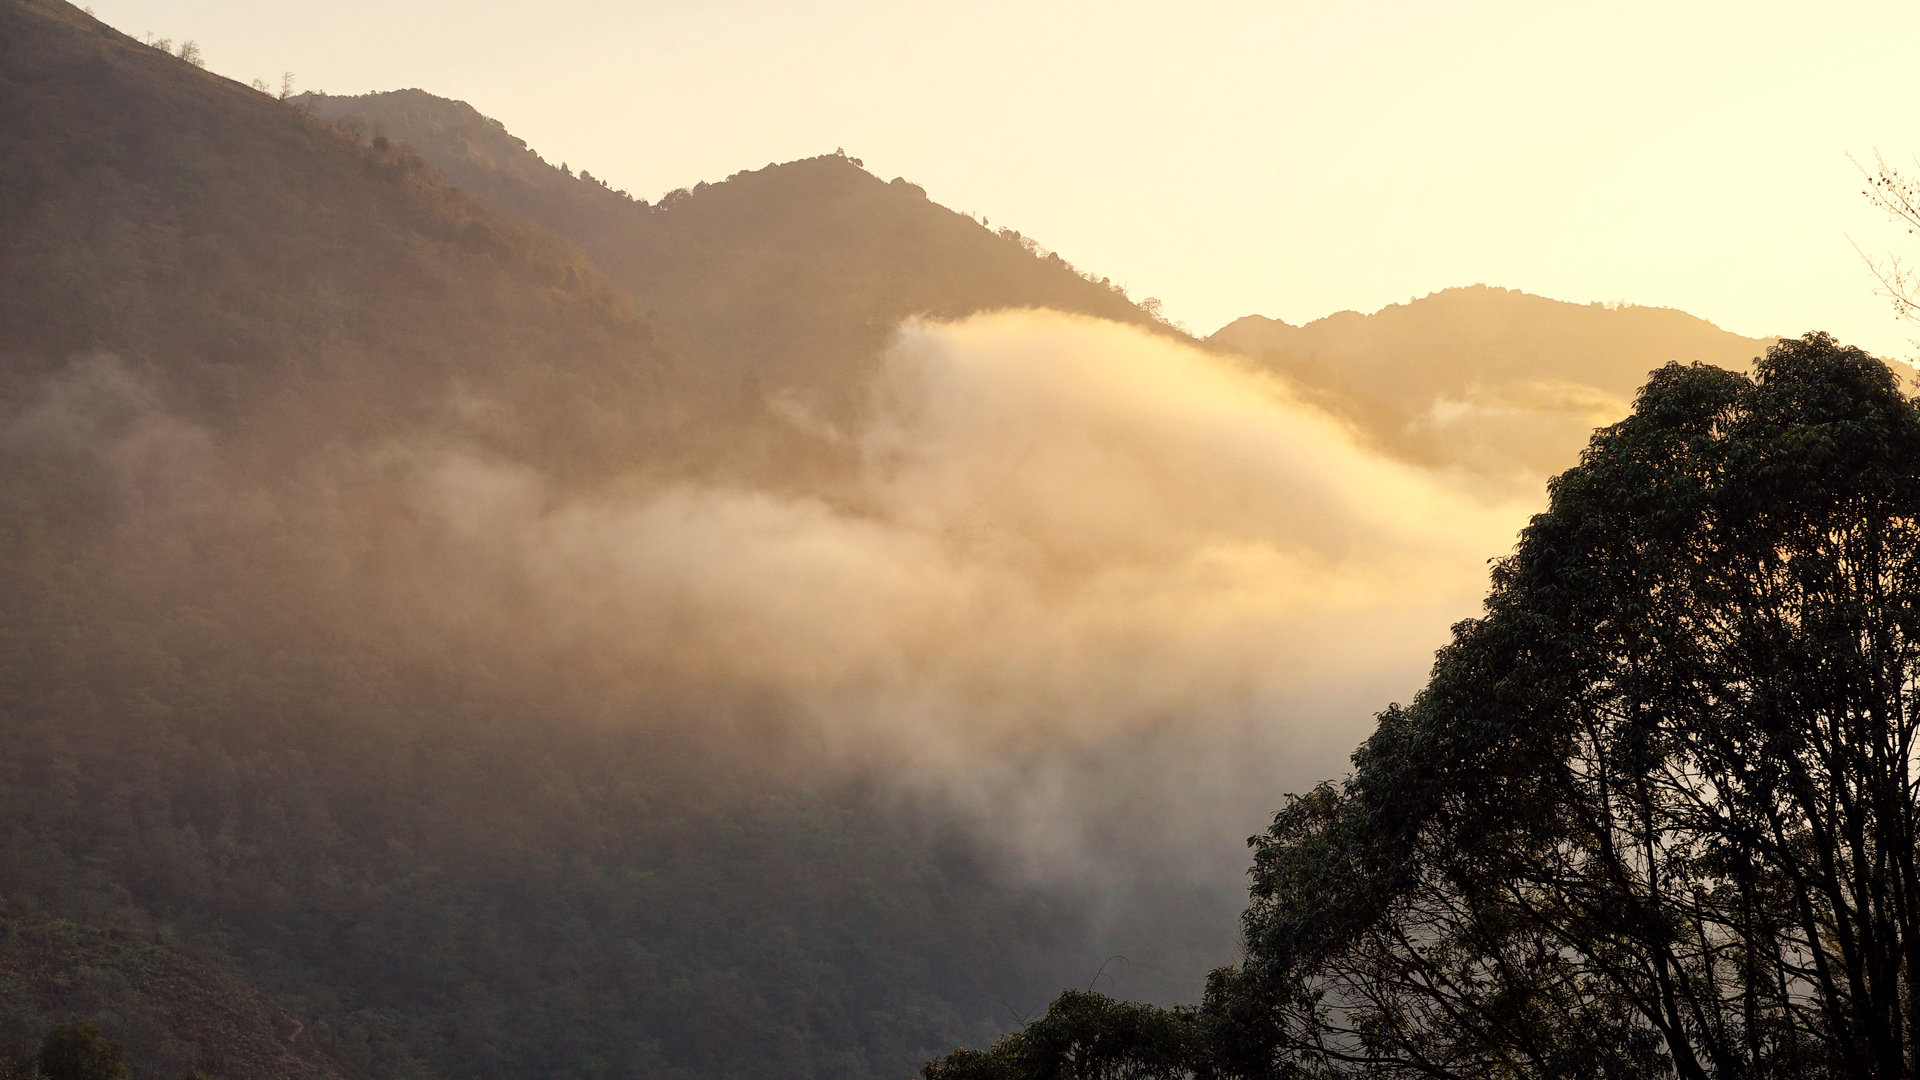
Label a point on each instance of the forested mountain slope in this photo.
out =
(285, 279)
(265, 689)
(174, 1010)
(1491, 378)
(790, 278)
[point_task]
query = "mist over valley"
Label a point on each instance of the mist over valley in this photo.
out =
(466, 621)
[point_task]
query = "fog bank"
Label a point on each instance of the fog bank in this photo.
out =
(1100, 591)
(1102, 594)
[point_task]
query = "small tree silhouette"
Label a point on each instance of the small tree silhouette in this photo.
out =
(78, 1051)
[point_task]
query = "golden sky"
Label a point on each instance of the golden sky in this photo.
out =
(1285, 159)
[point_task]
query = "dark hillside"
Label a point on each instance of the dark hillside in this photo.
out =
(284, 278)
(440, 897)
(790, 278)
(174, 1010)
(253, 700)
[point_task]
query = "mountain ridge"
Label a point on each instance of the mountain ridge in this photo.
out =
(294, 286)
(1540, 331)
(1502, 380)
(817, 255)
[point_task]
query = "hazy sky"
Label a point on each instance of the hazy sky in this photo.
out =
(1286, 159)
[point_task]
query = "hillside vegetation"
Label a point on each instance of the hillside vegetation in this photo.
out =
(174, 1010)
(248, 702)
(1492, 379)
(784, 281)
(293, 286)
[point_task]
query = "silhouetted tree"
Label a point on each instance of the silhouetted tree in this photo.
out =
(1657, 806)
(1087, 1036)
(78, 1051)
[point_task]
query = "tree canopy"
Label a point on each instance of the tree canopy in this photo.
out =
(78, 1051)
(1656, 811)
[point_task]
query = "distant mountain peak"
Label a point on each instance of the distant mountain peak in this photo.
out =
(1495, 352)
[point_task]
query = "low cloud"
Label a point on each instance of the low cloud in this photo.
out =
(1102, 594)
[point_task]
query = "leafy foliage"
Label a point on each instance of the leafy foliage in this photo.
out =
(1085, 1036)
(176, 1011)
(78, 1051)
(1655, 807)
